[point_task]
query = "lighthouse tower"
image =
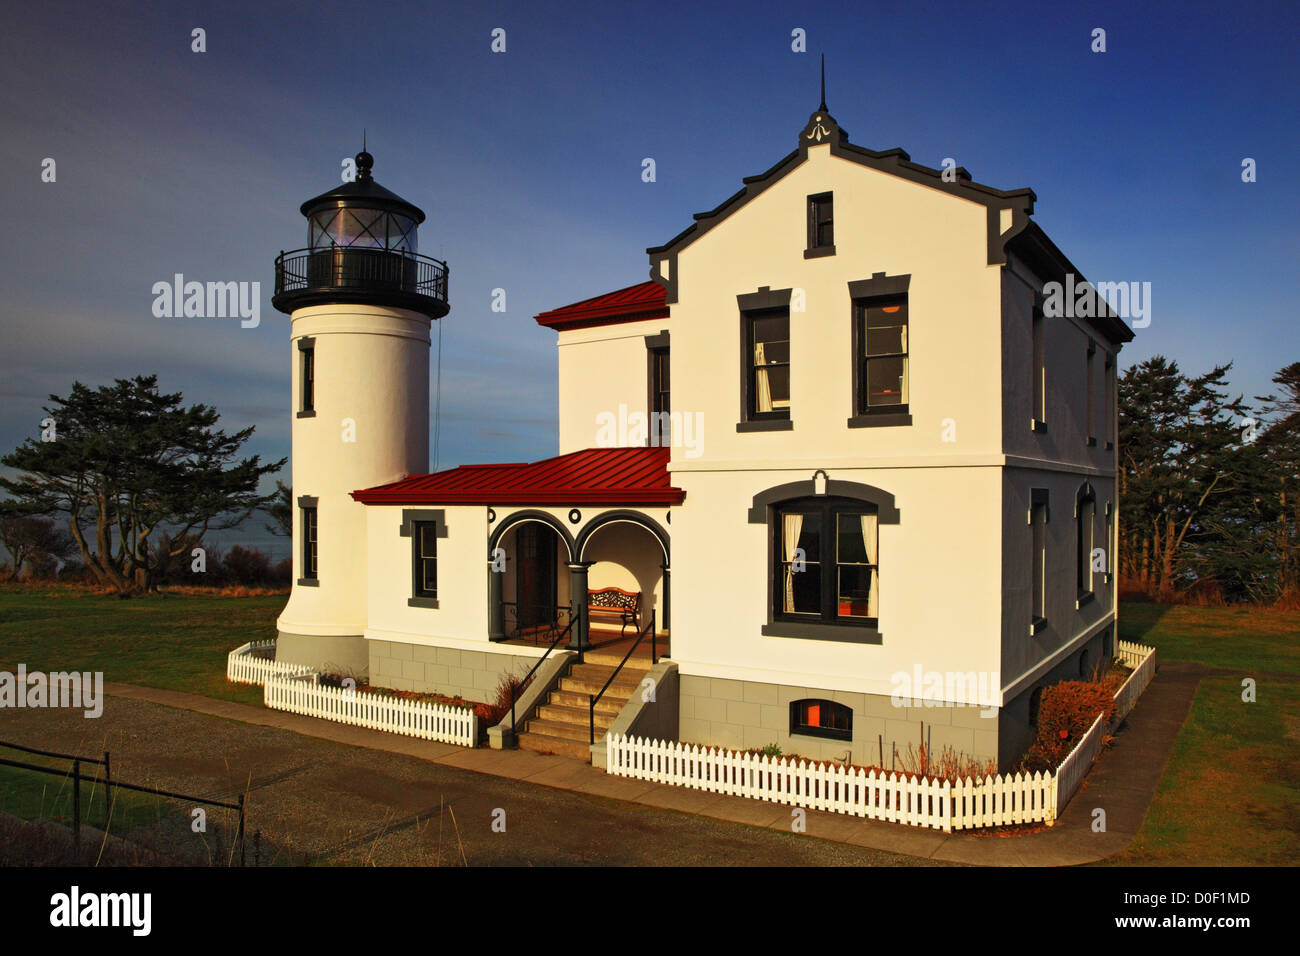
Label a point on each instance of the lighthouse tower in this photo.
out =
(362, 302)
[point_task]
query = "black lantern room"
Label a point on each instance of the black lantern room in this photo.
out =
(362, 242)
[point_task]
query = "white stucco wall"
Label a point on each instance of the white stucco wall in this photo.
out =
(600, 369)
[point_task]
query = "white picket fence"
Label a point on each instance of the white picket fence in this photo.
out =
(1143, 661)
(1075, 766)
(243, 666)
(294, 688)
(999, 800)
(412, 718)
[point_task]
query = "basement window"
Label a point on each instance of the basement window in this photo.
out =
(821, 718)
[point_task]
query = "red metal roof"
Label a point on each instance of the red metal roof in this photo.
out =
(644, 301)
(593, 476)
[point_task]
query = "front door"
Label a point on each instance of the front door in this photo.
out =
(535, 575)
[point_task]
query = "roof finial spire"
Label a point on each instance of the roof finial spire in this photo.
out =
(363, 129)
(823, 106)
(365, 162)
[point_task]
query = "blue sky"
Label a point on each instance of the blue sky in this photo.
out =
(528, 165)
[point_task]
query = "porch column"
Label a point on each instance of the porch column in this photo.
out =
(578, 638)
(496, 629)
(663, 620)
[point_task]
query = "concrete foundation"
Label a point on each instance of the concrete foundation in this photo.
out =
(332, 654)
(472, 675)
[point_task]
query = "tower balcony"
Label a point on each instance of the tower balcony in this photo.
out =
(360, 274)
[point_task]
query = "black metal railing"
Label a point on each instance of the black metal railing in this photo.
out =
(360, 267)
(654, 658)
(533, 622)
(523, 684)
(110, 786)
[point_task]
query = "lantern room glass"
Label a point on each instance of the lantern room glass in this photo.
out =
(368, 228)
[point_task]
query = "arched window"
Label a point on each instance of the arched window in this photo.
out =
(1085, 514)
(826, 561)
(821, 718)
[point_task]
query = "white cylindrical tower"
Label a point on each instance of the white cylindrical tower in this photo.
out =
(361, 303)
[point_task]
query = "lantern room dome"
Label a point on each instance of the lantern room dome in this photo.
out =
(361, 247)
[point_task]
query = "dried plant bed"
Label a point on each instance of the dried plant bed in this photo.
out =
(948, 766)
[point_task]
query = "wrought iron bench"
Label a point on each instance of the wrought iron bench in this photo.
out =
(616, 604)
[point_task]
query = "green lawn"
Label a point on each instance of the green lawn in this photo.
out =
(1230, 794)
(1246, 639)
(172, 642)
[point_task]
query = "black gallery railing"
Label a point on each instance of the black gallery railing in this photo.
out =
(538, 623)
(360, 267)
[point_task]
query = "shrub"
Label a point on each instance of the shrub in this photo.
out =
(248, 566)
(1067, 711)
(509, 687)
(771, 750)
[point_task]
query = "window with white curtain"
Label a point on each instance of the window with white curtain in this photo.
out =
(827, 561)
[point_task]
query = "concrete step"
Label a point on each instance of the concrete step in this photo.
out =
(556, 728)
(611, 658)
(545, 744)
(577, 716)
(571, 698)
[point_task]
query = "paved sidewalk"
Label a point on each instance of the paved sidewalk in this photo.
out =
(1123, 781)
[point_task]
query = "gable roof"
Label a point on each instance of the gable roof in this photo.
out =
(822, 129)
(645, 300)
(632, 476)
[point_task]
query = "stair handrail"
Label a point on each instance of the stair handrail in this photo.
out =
(654, 658)
(514, 695)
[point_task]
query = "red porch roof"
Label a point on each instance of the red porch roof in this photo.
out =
(631, 476)
(644, 301)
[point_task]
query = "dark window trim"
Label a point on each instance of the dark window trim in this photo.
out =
(762, 510)
(411, 518)
(655, 345)
(753, 305)
(1090, 372)
(309, 503)
(307, 344)
(815, 249)
(1038, 365)
(861, 292)
(1039, 498)
(1083, 565)
(830, 733)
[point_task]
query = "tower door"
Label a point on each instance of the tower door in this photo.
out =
(535, 575)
